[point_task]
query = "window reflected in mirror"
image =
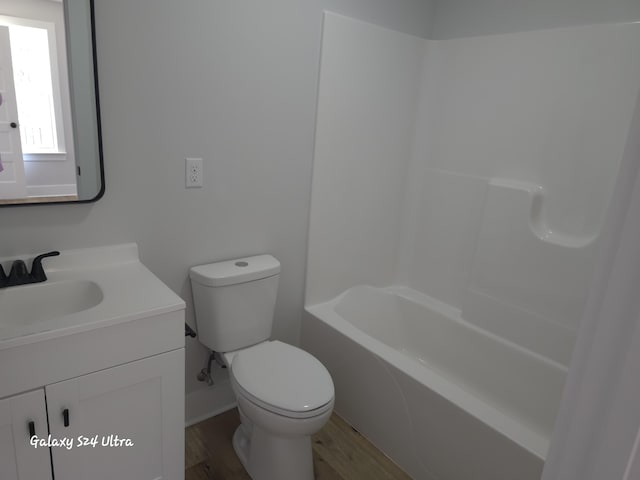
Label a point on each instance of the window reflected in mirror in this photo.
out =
(37, 146)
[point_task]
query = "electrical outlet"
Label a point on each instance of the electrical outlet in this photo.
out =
(193, 172)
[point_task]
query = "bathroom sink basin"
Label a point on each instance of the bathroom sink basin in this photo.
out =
(67, 326)
(86, 289)
(28, 304)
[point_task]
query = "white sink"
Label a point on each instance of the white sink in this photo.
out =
(99, 307)
(28, 304)
(86, 289)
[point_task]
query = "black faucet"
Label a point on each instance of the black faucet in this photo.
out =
(19, 275)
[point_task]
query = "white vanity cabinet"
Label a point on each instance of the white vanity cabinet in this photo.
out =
(105, 379)
(124, 422)
(18, 459)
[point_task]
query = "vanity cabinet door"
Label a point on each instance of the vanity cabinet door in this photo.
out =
(18, 459)
(126, 422)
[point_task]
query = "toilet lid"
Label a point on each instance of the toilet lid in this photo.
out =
(282, 376)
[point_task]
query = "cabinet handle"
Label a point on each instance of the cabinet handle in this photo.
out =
(32, 428)
(65, 417)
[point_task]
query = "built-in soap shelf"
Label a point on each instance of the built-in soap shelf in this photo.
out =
(534, 195)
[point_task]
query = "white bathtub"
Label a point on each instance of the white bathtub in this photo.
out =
(441, 397)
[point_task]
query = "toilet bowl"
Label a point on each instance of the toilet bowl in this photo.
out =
(284, 394)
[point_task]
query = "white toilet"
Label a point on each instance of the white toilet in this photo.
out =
(284, 394)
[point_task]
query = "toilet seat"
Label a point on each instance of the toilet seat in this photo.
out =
(282, 379)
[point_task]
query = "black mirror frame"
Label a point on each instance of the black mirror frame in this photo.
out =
(101, 191)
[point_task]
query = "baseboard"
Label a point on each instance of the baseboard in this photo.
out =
(208, 402)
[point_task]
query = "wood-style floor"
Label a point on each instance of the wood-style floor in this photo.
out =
(339, 453)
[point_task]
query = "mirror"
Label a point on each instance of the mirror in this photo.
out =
(50, 143)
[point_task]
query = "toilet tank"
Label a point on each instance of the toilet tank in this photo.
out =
(234, 301)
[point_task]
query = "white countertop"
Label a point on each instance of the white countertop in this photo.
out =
(130, 292)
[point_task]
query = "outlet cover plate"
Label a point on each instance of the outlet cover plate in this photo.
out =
(193, 172)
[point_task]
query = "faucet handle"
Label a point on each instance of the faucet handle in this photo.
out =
(18, 273)
(37, 272)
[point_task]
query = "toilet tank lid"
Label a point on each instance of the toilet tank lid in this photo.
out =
(231, 272)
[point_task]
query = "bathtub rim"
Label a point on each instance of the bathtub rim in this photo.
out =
(455, 314)
(532, 441)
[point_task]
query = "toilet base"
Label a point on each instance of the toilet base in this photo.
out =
(241, 443)
(268, 457)
(272, 446)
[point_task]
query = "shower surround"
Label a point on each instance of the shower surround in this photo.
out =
(470, 177)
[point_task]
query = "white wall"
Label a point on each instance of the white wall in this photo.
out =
(465, 18)
(232, 82)
(414, 17)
